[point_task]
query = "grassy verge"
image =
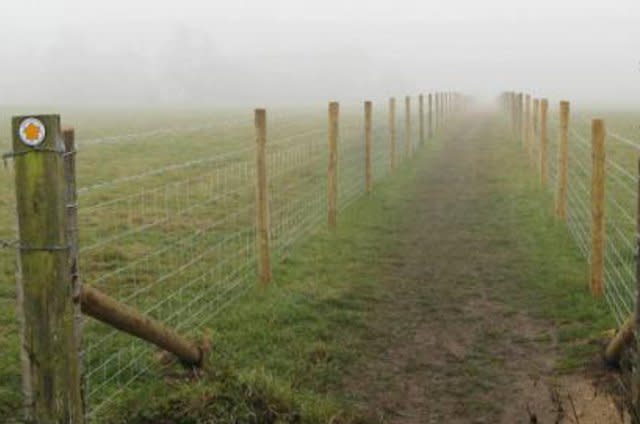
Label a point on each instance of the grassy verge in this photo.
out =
(548, 276)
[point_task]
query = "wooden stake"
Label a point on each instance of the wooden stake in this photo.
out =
(597, 207)
(392, 132)
(263, 224)
(527, 121)
(430, 116)
(421, 112)
(544, 141)
(407, 126)
(332, 173)
(563, 162)
(52, 379)
(367, 146)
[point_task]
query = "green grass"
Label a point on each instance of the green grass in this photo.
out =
(551, 274)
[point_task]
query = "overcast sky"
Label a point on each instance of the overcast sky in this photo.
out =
(196, 52)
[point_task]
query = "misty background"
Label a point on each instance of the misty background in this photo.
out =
(285, 52)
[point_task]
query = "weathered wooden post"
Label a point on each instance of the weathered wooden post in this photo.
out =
(332, 173)
(421, 124)
(69, 139)
(407, 126)
(263, 224)
(544, 140)
(430, 116)
(50, 345)
(597, 206)
(563, 162)
(367, 145)
(392, 132)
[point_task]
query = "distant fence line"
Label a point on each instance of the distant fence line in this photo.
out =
(157, 261)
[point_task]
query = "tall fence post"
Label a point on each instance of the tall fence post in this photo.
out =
(527, 121)
(536, 131)
(514, 113)
(367, 145)
(430, 116)
(597, 206)
(544, 140)
(421, 112)
(392, 132)
(519, 111)
(332, 174)
(263, 225)
(436, 109)
(563, 162)
(69, 139)
(51, 366)
(407, 126)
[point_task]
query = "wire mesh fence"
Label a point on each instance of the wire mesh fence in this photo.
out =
(620, 198)
(176, 239)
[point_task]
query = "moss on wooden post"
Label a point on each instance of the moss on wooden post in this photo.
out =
(50, 344)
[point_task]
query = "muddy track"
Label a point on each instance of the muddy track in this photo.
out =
(450, 349)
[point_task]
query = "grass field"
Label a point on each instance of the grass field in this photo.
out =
(178, 241)
(166, 218)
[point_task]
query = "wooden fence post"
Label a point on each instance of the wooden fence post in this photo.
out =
(527, 121)
(69, 139)
(519, 111)
(514, 113)
(392, 132)
(367, 145)
(52, 380)
(263, 224)
(597, 206)
(407, 126)
(536, 131)
(544, 141)
(332, 173)
(430, 116)
(436, 110)
(421, 112)
(563, 161)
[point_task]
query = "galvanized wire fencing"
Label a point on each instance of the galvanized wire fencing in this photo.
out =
(172, 244)
(593, 174)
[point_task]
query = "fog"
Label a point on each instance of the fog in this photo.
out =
(236, 53)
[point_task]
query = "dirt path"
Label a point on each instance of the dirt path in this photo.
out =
(452, 350)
